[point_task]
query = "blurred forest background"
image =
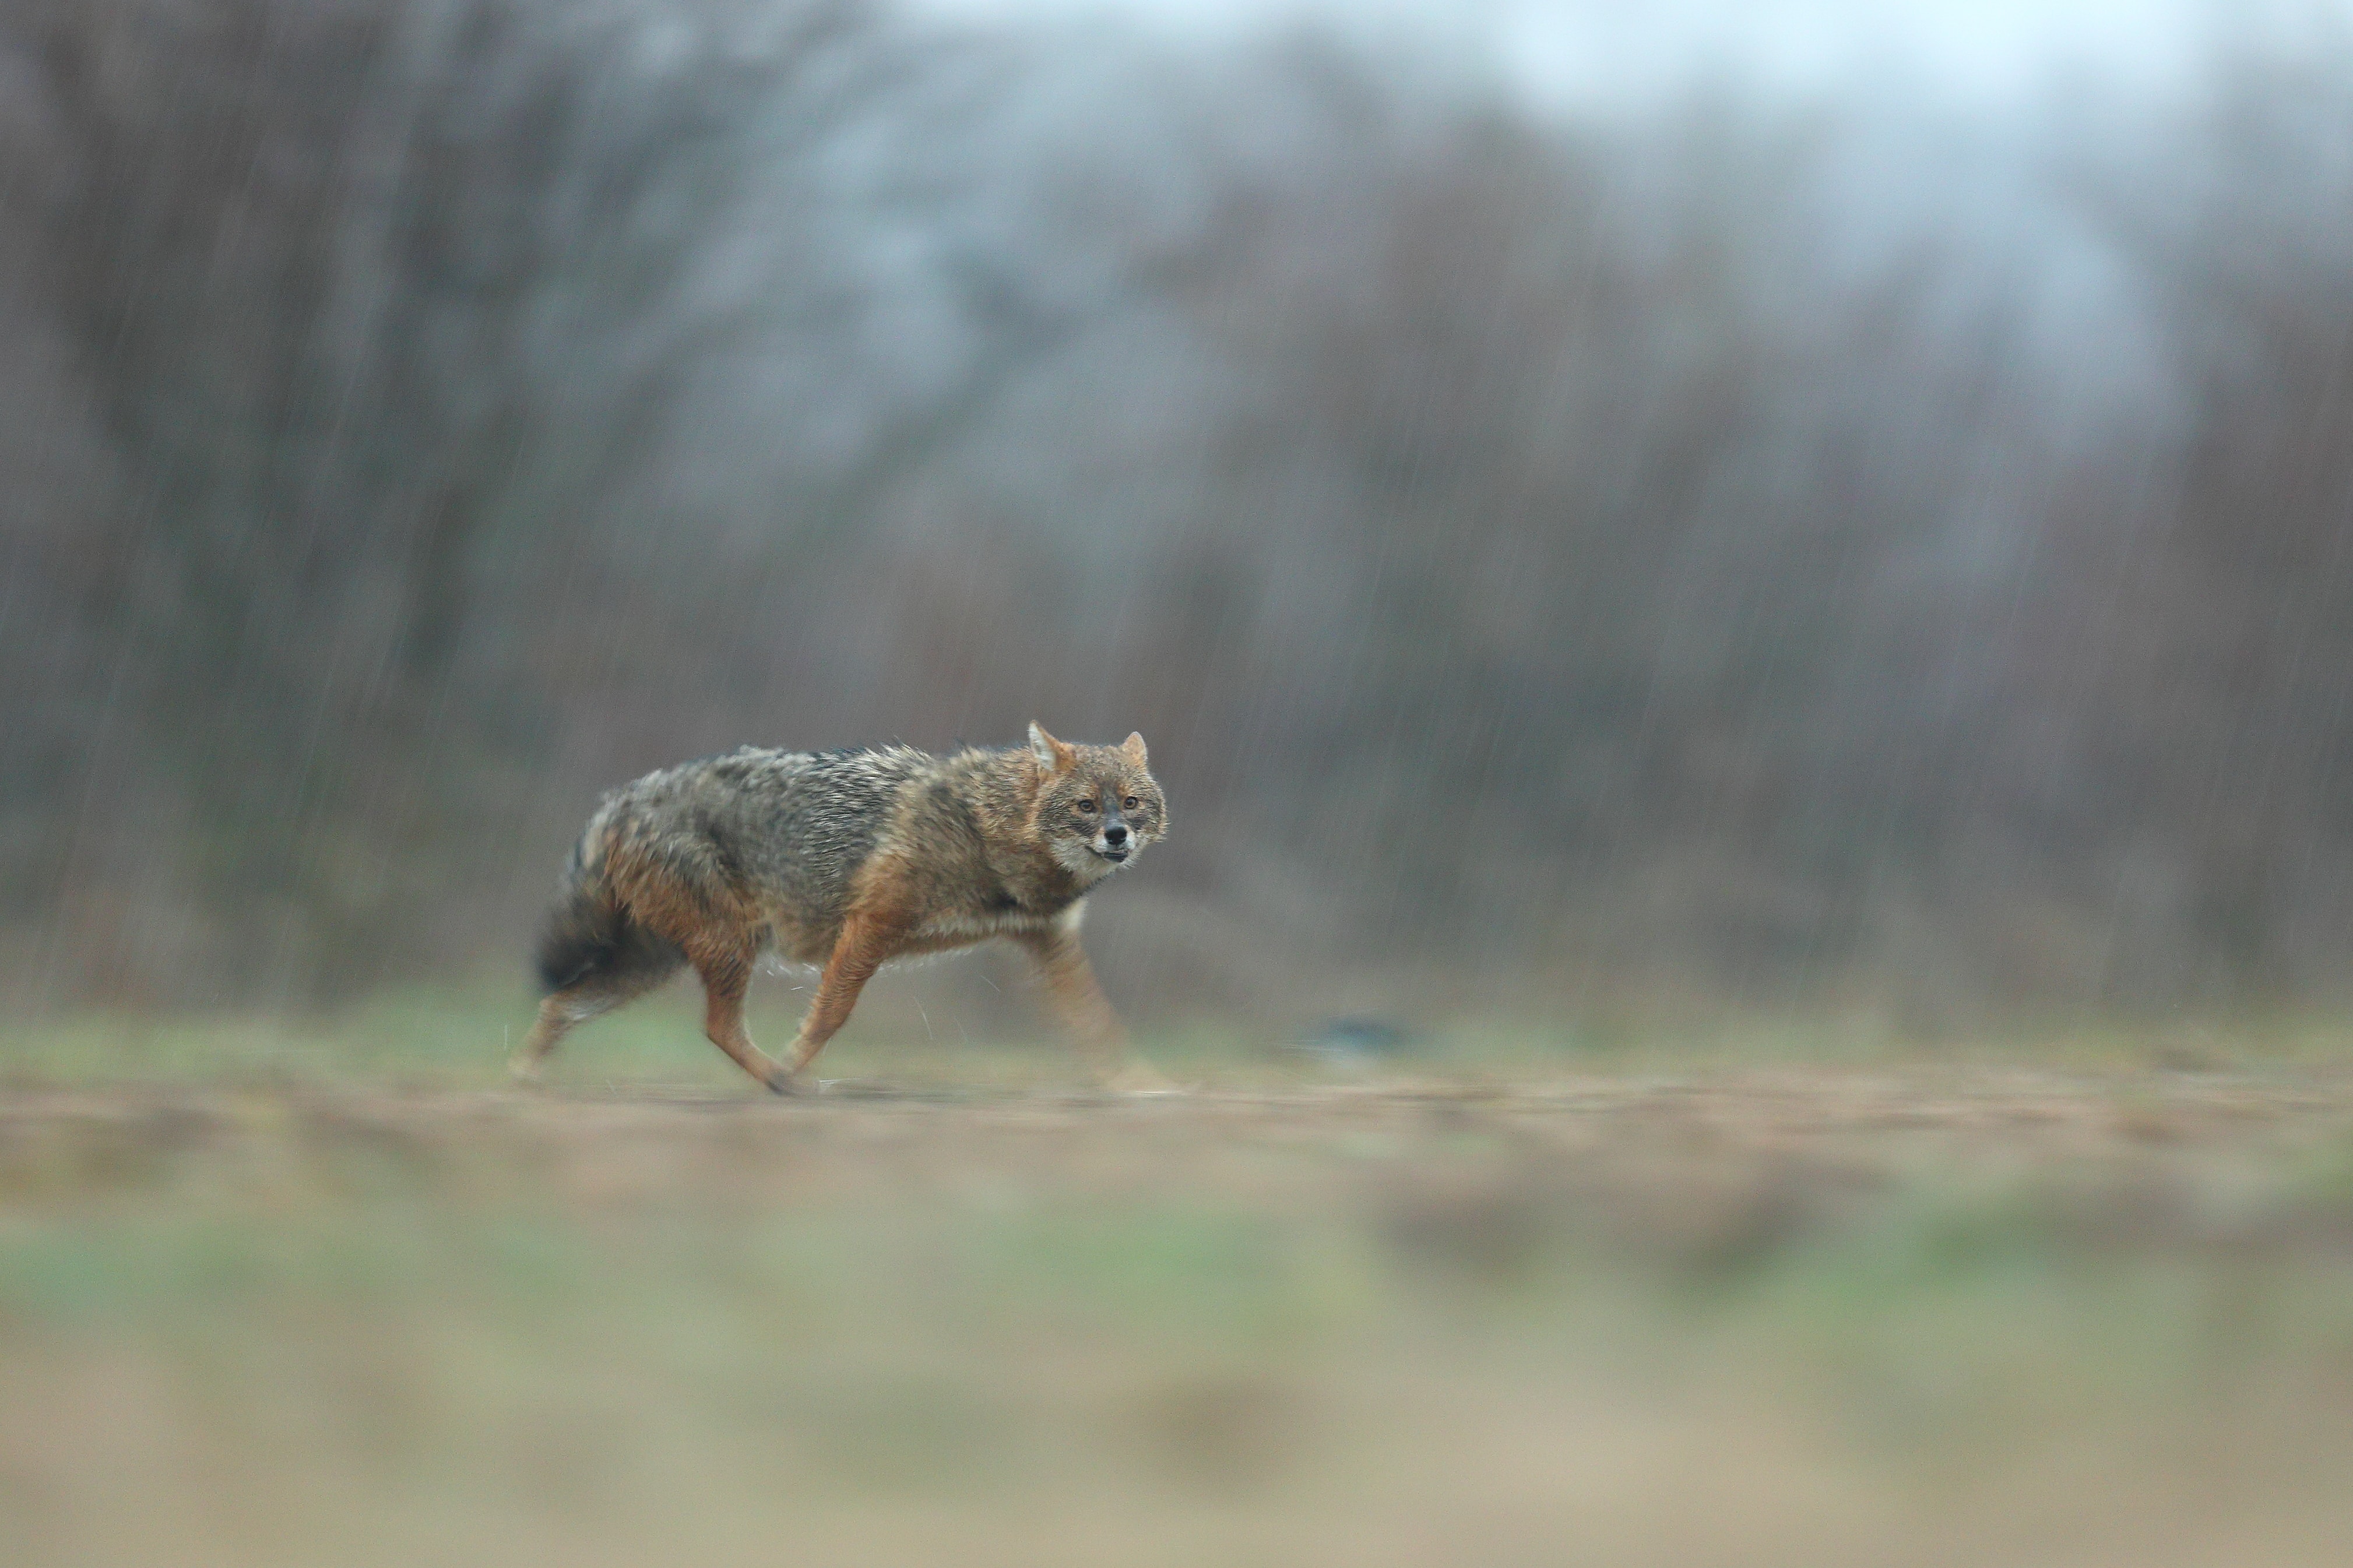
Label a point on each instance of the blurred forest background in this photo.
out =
(1848, 545)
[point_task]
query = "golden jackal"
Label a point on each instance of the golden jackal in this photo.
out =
(846, 860)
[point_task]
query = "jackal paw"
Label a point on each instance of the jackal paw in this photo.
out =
(785, 1082)
(523, 1070)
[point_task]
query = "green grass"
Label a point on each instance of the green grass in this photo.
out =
(462, 1036)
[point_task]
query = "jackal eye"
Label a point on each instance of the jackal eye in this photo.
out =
(1130, 803)
(1087, 806)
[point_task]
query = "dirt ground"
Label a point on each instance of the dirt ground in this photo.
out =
(1856, 1120)
(1923, 1313)
(1657, 1164)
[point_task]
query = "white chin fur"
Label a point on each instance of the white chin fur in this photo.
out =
(1082, 862)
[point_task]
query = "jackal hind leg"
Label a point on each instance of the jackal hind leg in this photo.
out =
(564, 1010)
(726, 977)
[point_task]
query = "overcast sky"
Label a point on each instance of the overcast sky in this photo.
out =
(1592, 52)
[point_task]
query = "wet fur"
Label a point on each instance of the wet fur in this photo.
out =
(845, 860)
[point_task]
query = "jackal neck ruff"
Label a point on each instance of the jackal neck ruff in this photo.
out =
(1018, 833)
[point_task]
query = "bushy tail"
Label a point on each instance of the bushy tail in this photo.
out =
(591, 939)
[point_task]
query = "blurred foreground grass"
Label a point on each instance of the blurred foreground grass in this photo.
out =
(322, 1296)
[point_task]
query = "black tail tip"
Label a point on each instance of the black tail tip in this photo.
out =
(591, 942)
(565, 959)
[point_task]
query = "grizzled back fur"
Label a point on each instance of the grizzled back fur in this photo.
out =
(698, 848)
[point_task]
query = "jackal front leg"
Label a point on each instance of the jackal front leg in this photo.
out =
(866, 942)
(1087, 1013)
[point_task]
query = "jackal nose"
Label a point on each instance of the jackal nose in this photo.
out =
(1115, 835)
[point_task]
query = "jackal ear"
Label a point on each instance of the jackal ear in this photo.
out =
(1134, 747)
(1052, 754)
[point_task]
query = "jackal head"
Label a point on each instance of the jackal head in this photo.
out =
(1097, 806)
